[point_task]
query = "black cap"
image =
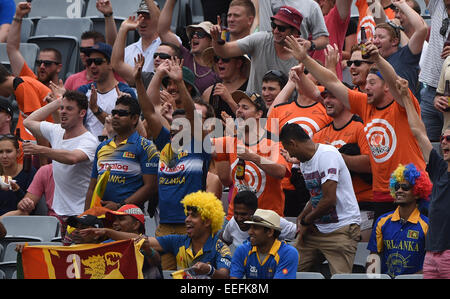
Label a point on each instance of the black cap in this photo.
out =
(6, 106)
(87, 220)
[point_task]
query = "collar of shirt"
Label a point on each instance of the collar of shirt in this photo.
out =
(133, 138)
(273, 251)
(413, 218)
(207, 247)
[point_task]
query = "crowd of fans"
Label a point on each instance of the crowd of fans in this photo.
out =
(278, 110)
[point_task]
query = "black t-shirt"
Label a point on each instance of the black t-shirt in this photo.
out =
(438, 236)
(9, 199)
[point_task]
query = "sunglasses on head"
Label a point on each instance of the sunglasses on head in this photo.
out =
(225, 60)
(96, 61)
(193, 209)
(120, 112)
(357, 62)
(161, 55)
(280, 27)
(198, 34)
(405, 187)
(10, 137)
(445, 137)
(46, 63)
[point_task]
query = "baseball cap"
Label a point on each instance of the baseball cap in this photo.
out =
(129, 210)
(6, 106)
(103, 48)
(266, 218)
(188, 77)
(206, 25)
(289, 15)
(87, 220)
(255, 98)
(144, 8)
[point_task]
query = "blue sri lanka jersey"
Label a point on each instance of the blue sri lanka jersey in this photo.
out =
(128, 160)
(400, 245)
(179, 174)
(280, 262)
(214, 252)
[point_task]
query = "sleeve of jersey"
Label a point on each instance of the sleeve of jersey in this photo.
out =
(170, 243)
(162, 139)
(149, 158)
(287, 267)
(282, 161)
(358, 102)
(375, 243)
(237, 268)
(27, 72)
(127, 89)
(27, 98)
(329, 166)
(94, 173)
(362, 141)
(223, 258)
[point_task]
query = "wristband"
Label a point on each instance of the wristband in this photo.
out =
(106, 15)
(17, 19)
(99, 111)
(211, 270)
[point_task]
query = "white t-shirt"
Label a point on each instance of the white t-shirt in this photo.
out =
(328, 164)
(71, 181)
(134, 49)
(233, 234)
(107, 101)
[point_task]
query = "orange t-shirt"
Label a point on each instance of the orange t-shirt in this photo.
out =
(30, 94)
(390, 139)
(267, 188)
(312, 118)
(352, 132)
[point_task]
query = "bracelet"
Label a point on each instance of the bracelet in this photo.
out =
(17, 19)
(106, 15)
(211, 270)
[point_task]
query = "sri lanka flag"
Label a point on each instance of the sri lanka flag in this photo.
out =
(100, 188)
(115, 260)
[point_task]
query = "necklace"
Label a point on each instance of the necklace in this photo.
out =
(195, 71)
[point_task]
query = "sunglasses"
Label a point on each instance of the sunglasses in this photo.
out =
(396, 28)
(102, 138)
(161, 55)
(279, 27)
(357, 62)
(120, 112)
(46, 63)
(10, 137)
(96, 61)
(225, 60)
(193, 209)
(445, 137)
(444, 27)
(405, 187)
(199, 34)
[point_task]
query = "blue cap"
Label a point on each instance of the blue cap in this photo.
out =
(103, 48)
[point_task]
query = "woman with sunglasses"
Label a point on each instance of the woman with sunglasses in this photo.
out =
(17, 177)
(233, 72)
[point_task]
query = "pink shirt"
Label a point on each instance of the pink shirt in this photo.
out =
(337, 28)
(76, 80)
(44, 185)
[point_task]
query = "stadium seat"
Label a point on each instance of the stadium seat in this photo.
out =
(309, 275)
(27, 29)
(67, 45)
(2, 275)
(57, 8)
(29, 52)
(8, 269)
(197, 11)
(121, 8)
(11, 254)
(409, 276)
(437, 147)
(166, 274)
(360, 276)
(30, 228)
(150, 226)
(359, 263)
(63, 26)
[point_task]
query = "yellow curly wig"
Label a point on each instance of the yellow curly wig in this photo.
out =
(208, 206)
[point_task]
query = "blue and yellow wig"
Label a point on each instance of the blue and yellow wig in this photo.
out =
(417, 178)
(208, 206)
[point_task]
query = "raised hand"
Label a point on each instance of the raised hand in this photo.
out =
(22, 9)
(132, 23)
(296, 48)
(93, 99)
(104, 6)
(139, 62)
(175, 69)
(372, 51)
(331, 57)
